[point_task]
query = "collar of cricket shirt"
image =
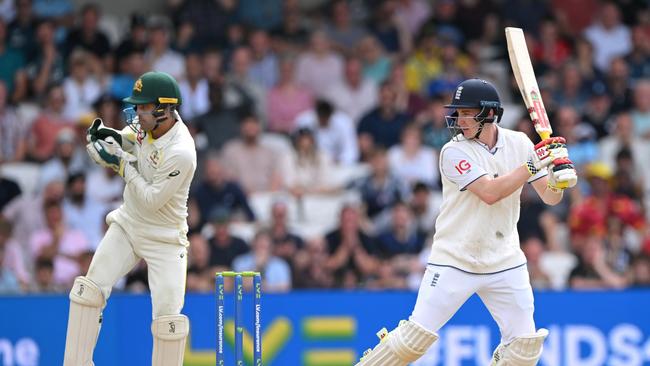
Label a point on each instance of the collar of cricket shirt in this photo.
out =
(499, 143)
(161, 141)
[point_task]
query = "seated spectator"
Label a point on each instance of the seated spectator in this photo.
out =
(194, 89)
(376, 64)
(220, 124)
(411, 162)
(216, 190)
(382, 126)
(276, 274)
(641, 271)
(308, 268)
(350, 249)
(291, 35)
(45, 129)
(423, 210)
(432, 119)
(240, 89)
(200, 277)
(533, 248)
(623, 136)
(160, 56)
(13, 130)
(104, 185)
(334, 132)
(68, 158)
(402, 237)
(59, 243)
(224, 248)
(82, 212)
(641, 109)
(310, 169)
(341, 30)
(44, 281)
(129, 68)
(286, 244)
(319, 68)
(380, 189)
(264, 67)
(354, 95)
(13, 277)
(592, 271)
(47, 66)
(252, 164)
(286, 99)
(80, 87)
(580, 137)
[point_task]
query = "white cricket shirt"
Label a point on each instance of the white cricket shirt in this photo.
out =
(470, 234)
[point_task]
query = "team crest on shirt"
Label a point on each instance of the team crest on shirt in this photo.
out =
(154, 158)
(463, 166)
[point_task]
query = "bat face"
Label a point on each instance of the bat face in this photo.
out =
(522, 68)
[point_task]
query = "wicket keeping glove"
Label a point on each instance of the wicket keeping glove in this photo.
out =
(546, 152)
(109, 154)
(98, 131)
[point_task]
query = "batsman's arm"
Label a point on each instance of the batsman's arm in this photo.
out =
(173, 172)
(550, 196)
(492, 190)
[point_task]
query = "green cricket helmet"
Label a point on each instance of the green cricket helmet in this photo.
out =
(153, 87)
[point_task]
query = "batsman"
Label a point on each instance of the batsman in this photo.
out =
(155, 155)
(476, 245)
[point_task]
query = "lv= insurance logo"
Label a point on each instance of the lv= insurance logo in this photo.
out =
(278, 334)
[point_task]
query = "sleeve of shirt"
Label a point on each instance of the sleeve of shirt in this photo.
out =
(166, 181)
(350, 153)
(459, 168)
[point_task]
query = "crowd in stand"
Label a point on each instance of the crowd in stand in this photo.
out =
(318, 126)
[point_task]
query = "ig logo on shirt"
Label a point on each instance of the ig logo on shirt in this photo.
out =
(463, 166)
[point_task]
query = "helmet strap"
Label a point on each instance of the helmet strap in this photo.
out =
(159, 114)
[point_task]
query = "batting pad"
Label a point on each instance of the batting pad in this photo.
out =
(84, 321)
(405, 344)
(169, 335)
(523, 351)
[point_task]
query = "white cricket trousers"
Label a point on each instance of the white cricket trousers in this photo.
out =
(120, 250)
(507, 295)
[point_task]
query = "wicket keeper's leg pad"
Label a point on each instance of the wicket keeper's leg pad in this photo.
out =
(522, 351)
(169, 335)
(405, 344)
(86, 304)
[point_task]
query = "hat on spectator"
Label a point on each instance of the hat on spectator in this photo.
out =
(159, 22)
(66, 135)
(598, 170)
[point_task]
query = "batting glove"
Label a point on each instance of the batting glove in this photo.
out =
(109, 154)
(546, 152)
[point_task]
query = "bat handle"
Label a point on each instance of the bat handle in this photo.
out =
(544, 135)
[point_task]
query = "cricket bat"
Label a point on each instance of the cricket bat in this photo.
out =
(522, 68)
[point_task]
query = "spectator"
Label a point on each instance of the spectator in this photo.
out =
(597, 111)
(608, 35)
(580, 137)
(533, 248)
(410, 15)
(209, 18)
(12, 61)
(87, 35)
(592, 271)
(350, 249)
(423, 210)
(220, 124)
(286, 100)
(59, 243)
(129, 69)
(570, 91)
(380, 189)
(411, 162)
(402, 237)
(310, 169)
(47, 67)
(639, 58)
(641, 109)
(240, 89)
(200, 277)
(264, 67)
(159, 55)
(276, 274)
(308, 265)
(384, 26)
(13, 130)
(291, 35)
(105, 186)
(334, 132)
(13, 277)
(376, 64)
(68, 158)
(286, 244)
(21, 31)
(623, 136)
(80, 88)
(194, 89)
(410, 102)
(252, 164)
(641, 271)
(265, 15)
(224, 248)
(618, 85)
(83, 213)
(382, 126)
(44, 281)
(135, 39)
(341, 31)
(354, 95)
(319, 68)
(216, 190)
(45, 129)
(432, 119)
(212, 64)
